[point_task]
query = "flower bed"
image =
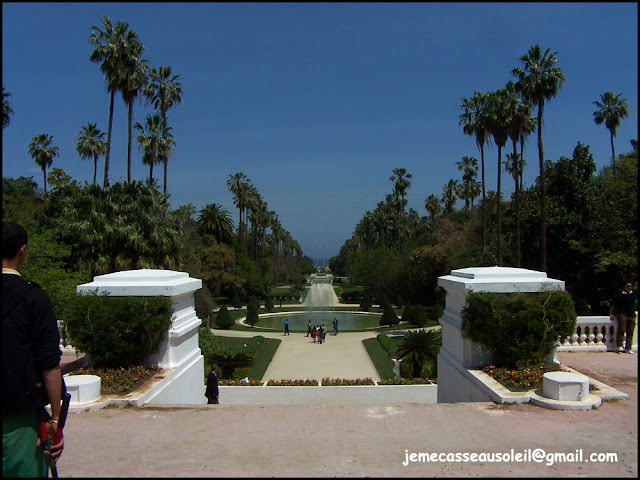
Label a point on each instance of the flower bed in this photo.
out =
(335, 382)
(523, 379)
(119, 381)
(239, 383)
(406, 381)
(292, 383)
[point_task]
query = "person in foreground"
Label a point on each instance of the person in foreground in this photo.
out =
(624, 308)
(31, 360)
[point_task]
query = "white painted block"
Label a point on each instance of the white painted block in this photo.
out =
(565, 386)
(83, 388)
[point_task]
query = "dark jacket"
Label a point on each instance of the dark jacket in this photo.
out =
(212, 386)
(625, 303)
(30, 343)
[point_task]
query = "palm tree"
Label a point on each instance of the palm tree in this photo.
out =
(111, 52)
(469, 168)
(7, 111)
(134, 79)
(163, 91)
(498, 124)
(215, 220)
(433, 206)
(418, 347)
(449, 195)
(401, 183)
(238, 185)
(156, 140)
(612, 109)
(228, 362)
(539, 80)
(473, 120)
(43, 151)
(90, 144)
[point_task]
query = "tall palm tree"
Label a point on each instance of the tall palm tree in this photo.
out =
(43, 151)
(7, 111)
(418, 347)
(156, 140)
(215, 220)
(473, 120)
(401, 183)
(498, 124)
(112, 43)
(611, 109)
(134, 79)
(90, 144)
(164, 92)
(539, 79)
(433, 206)
(238, 185)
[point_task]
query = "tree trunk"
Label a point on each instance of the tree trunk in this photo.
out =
(105, 183)
(484, 205)
(543, 221)
(129, 143)
(499, 243)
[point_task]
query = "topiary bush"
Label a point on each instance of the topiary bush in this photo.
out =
(236, 302)
(389, 316)
(518, 328)
(252, 315)
(419, 317)
(366, 303)
(407, 314)
(223, 318)
(117, 331)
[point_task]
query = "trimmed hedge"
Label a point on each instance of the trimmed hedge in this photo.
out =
(518, 328)
(117, 331)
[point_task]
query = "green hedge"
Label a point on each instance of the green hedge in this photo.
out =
(117, 331)
(518, 328)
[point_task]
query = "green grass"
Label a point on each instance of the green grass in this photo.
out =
(261, 349)
(378, 356)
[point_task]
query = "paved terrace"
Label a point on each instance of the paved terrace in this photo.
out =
(354, 440)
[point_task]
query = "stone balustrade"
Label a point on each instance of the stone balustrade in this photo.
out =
(594, 334)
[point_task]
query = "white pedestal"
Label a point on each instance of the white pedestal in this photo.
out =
(458, 353)
(179, 350)
(565, 386)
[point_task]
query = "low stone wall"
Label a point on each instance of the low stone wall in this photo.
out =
(344, 395)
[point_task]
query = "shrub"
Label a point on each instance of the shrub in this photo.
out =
(407, 314)
(117, 331)
(365, 303)
(268, 304)
(210, 345)
(389, 316)
(223, 318)
(387, 343)
(252, 315)
(419, 318)
(236, 302)
(436, 312)
(518, 328)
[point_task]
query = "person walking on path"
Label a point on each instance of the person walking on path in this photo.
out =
(314, 334)
(324, 333)
(31, 375)
(624, 308)
(308, 329)
(286, 326)
(212, 393)
(335, 326)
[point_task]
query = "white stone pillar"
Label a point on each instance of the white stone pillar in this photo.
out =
(458, 354)
(179, 354)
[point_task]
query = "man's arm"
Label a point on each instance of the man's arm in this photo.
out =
(53, 385)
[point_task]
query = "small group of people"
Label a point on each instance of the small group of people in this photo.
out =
(318, 333)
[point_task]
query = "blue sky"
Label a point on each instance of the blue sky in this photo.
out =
(316, 103)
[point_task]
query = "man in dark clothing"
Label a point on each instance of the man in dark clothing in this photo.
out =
(624, 307)
(31, 360)
(212, 386)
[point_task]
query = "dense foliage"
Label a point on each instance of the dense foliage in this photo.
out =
(518, 328)
(117, 331)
